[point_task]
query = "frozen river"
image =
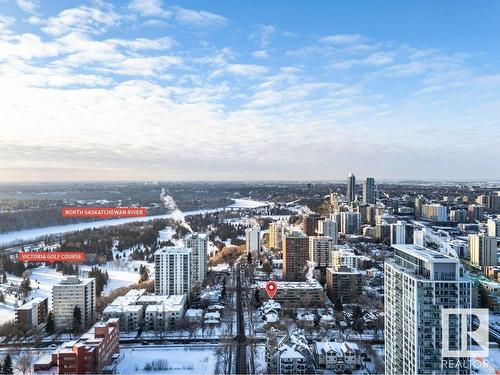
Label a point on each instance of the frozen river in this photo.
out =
(30, 234)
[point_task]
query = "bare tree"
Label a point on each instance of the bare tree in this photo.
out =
(23, 364)
(225, 350)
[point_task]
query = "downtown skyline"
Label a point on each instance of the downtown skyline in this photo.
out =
(152, 90)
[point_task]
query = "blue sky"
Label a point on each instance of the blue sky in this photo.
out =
(150, 89)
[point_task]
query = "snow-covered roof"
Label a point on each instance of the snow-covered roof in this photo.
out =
(212, 315)
(297, 285)
(194, 313)
(272, 317)
(340, 348)
(30, 304)
(135, 292)
(327, 317)
(119, 309)
(271, 304)
(306, 317)
(173, 299)
(290, 353)
(193, 236)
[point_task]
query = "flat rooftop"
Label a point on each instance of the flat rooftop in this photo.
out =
(201, 236)
(30, 304)
(173, 250)
(425, 254)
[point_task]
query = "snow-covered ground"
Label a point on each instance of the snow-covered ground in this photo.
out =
(121, 273)
(181, 360)
(42, 280)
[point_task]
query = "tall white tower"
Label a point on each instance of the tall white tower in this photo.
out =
(418, 284)
(173, 270)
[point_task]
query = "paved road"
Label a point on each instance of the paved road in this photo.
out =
(241, 352)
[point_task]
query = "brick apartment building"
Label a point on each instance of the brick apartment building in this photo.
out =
(90, 354)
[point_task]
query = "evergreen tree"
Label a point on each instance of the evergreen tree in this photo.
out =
(25, 286)
(2, 297)
(4, 278)
(7, 365)
(144, 272)
(50, 328)
(77, 319)
(101, 279)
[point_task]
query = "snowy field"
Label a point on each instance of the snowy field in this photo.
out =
(42, 280)
(121, 273)
(180, 360)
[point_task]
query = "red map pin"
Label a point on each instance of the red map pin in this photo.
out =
(271, 288)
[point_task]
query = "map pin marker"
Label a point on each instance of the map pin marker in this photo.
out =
(271, 288)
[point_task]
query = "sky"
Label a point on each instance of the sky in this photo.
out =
(249, 90)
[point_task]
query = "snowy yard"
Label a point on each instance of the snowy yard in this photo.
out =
(194, 359)
(121, 273)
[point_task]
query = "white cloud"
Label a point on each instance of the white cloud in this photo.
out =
(260, 54)
(191, 17)
(263, 35)
(144, 43)
(157, 66)
(342, 39)
(199, 18)
(5, 22)
(82, 19)
(86, 92)
(26, 46)
(29, 6)
(246, 70)
(149, 8)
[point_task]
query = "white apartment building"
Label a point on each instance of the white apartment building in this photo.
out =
(126, 310)
(345, 257)
(418, 284)
(494, 227)
(69, 293)
(435, 212)
(320, 249)
(276, 232)
(164, 313)
(155, 311)
(398, 233)
(329, 228)
(173, 270)
(198, 243)
(482, 250)
(252, 236)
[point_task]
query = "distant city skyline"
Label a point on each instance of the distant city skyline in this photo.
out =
(212, 90)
